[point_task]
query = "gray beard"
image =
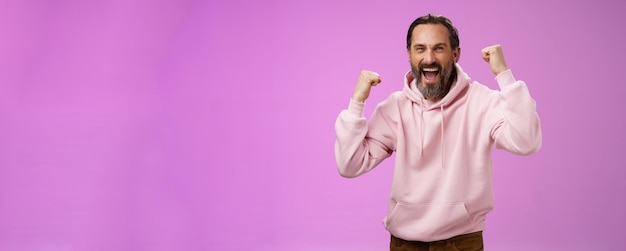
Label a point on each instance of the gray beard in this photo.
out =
(430, 91)
(433, 91)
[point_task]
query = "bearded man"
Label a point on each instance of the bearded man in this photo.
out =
(442, 127)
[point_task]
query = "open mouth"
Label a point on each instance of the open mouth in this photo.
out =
(430, 73)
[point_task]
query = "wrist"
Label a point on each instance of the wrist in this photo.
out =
(500, 70)
(358, 98)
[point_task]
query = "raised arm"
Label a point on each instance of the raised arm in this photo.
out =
(516, 126)
(361, 145)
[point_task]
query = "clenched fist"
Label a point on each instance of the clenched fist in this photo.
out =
(494, 56)
(367, 79)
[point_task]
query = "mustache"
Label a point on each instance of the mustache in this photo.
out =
(433, 65)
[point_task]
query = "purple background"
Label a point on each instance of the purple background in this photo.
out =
(209, 125)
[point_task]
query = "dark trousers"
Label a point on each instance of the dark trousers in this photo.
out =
(466, 242)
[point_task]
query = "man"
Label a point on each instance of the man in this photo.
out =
(442, 127)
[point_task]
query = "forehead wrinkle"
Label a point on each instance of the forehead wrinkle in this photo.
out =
(430, 35)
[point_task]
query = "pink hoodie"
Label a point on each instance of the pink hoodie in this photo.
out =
(442, 178)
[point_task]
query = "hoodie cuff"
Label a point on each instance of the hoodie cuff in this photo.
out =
(356, 108)
(505, 78)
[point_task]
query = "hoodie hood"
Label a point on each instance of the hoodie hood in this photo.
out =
(410, 90)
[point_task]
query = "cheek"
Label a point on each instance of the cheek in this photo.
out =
(415, 61)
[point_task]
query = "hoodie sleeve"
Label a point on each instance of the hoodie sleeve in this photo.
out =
(516, 127)
(360, 146)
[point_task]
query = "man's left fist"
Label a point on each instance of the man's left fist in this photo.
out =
(494, 56)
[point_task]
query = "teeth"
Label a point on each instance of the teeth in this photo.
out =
(430, 69)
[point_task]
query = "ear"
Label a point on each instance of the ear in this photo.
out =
(456, 54)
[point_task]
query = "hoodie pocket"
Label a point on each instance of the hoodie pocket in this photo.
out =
(427, 222)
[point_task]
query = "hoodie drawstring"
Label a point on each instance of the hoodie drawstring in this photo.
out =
(422, 131)
(422, 128)
(442, 138)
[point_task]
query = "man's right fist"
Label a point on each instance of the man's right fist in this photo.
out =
(367, 79)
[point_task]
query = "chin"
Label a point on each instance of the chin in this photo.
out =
(429, 83)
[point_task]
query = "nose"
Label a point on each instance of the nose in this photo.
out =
(429, 57)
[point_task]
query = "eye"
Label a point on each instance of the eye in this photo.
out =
(439, 49)
(419, 49)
